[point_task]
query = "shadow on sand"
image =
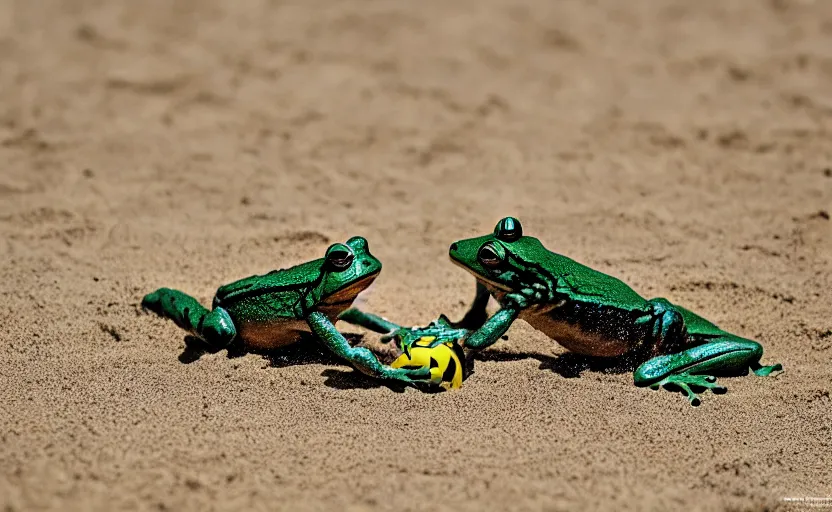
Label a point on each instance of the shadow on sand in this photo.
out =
(568, 365)
(306, 351)
(311, 351)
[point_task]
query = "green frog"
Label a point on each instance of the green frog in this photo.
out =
(595, 314)
(586, 311)
(272, 310)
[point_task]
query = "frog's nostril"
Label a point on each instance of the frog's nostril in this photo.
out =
(453, 247)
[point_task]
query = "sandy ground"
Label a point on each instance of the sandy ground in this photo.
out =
(682, 146)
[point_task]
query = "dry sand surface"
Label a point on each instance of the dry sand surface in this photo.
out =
(682, 146)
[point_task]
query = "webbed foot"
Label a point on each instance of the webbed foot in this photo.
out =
(726, 355)
(685, 382)
(765, 371)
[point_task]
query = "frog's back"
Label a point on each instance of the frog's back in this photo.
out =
(595, 286)
(263, 307)
(286, 281)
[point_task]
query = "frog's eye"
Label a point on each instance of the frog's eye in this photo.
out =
(490, 256)
(339, 257)
(358, 243)
(508, 229)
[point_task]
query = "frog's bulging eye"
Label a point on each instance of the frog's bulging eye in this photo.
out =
(339, 257)
(489, 256)
(358, 243)
(508, 229)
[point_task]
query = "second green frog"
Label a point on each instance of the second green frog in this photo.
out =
(592, 313)
(595, 314)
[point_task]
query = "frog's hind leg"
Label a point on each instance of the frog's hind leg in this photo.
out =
(361, 358)
(214, 327)
(667, 326)
(697, 366)
(714, 352)
(701, 331)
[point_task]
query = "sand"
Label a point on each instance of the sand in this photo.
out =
(682, 146)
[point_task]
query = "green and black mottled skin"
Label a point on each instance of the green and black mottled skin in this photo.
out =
(279, 308)
(594, 314)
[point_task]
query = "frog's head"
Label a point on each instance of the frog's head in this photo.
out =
(347, 270)
(501, 259)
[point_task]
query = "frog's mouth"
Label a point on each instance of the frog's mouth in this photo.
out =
(482, 279)
(346, 295)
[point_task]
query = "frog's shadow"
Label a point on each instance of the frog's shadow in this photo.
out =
(568, 365)
(306, 351)
(310, 351)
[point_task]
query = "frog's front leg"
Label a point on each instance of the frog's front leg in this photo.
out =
(476, 315)
(368, 321)
(374, 323)
(360, 357)
(214, 327)
(493, 328)
(512, 305)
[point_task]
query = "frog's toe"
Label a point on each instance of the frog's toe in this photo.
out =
(764, 371)
(706, 382)
(692, 397)
(687, 383)
(153, 302)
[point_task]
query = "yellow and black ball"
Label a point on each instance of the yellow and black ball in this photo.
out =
(445, 359)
